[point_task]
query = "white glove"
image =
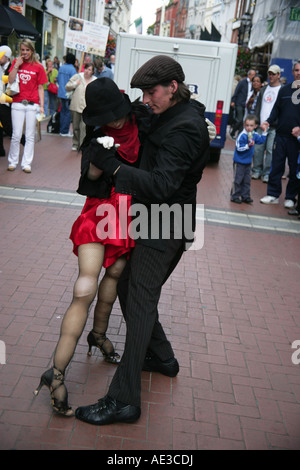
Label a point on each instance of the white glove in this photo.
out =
(211, 129)
(107, 142)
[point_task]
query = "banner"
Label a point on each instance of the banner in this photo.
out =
(139, 25)
(86, 36)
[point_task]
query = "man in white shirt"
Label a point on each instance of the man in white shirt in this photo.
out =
(263, 153)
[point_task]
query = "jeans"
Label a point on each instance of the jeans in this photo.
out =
(262, 163)
(241, 181)
(46, 103)
(52, 102)
(19, 114)
(65, 116)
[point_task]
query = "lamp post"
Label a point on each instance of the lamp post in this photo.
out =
(110, 8)
(43, 8)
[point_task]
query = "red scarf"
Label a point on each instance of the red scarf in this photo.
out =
(128, 139)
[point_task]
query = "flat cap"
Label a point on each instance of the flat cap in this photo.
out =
(159, 69)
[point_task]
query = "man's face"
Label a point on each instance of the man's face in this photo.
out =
(274, 78)
(251, 75)
(159, 98)
(296, 72)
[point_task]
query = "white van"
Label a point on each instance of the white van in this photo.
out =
(208, 66)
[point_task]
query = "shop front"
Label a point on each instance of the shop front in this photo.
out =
(49, 17)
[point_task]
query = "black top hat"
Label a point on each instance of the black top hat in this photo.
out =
(104, 103)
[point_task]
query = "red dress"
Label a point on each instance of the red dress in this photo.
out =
(106, 221)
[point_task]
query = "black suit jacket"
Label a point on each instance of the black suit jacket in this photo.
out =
(174, 155)
(241, 92)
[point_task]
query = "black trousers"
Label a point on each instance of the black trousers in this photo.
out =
(139, 290)
(5, 118)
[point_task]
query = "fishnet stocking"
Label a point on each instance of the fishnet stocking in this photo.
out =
(107, 294)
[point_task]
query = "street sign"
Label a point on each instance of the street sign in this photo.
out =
(86, 36)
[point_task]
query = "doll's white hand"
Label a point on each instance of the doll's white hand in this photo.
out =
(107, 142)
(211, 129)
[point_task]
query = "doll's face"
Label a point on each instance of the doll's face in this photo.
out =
(118, 124)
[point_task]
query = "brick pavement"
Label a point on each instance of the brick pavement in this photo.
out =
(230, 309)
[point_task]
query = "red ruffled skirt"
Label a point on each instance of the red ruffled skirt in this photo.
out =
(104, 221)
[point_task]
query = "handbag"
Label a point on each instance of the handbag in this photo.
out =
(53, 88)
(13, 88)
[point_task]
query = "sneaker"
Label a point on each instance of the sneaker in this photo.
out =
(294, 212)
(74, 148)
(288, 203)
(255, 176)
(66, 135)
(269, 200)
(265, 179)
(11, 168)
(27, 169)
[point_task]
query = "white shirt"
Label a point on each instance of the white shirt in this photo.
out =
(249, 89)
(268, 101)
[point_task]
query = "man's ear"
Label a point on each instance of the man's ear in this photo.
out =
(174, 86)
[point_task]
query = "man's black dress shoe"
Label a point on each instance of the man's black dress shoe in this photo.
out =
(154, 364)
(247, 200)
(107, 411)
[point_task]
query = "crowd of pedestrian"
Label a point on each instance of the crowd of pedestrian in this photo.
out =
(277, 118)
(56, 94)
(59, 93)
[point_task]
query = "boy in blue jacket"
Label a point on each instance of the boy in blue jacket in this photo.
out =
(242, 159)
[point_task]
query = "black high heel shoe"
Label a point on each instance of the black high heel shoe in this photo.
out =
(60, 406)
(98, 340)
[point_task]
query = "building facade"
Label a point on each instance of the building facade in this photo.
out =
(50, 18)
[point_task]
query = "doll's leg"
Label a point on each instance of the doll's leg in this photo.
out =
(90, 259)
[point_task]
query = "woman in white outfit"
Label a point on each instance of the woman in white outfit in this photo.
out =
(32, 77)
(78, 84)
